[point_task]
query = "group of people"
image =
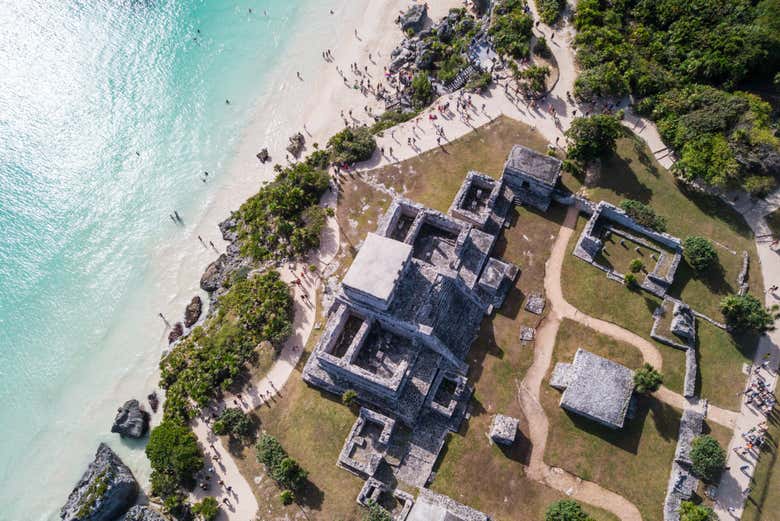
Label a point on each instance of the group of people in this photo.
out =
(759, 394)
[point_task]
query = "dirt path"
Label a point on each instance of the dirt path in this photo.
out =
(242, 504)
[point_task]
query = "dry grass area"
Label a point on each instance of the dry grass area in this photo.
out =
(634, 461)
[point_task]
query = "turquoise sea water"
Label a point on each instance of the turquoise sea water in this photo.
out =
(110, 110)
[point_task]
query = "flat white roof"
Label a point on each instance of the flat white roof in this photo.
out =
(377, 266)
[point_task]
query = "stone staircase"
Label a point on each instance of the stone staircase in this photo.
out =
(462, 78)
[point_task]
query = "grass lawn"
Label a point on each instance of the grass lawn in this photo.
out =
(764, 501)
(471, 469)
(632, 173)
(634, 461)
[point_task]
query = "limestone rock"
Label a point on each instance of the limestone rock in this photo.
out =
(296, 144)
(105, 491)
(192, 311)
(683, 322)
(263, 155)
(414, 18)
(154, 401)
(176, 332)
(209, 281)
(143, 513)
(131, 420)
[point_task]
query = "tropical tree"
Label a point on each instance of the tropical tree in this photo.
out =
(592, 137)
(690, 511)
(647, 380)
(700, 253)
(708, 457)
(206, 509)
(745, 313)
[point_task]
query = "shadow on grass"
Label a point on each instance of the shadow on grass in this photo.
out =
(619, 176)
(628, 438)
(715, 207)
(714, 279)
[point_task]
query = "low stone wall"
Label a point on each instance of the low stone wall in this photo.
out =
(743, 274)
(682, 483)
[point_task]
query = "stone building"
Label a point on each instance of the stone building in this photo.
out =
(595, 387)
(533, 176)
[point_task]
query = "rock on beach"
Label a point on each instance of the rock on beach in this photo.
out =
(192, 311)
(131, 420)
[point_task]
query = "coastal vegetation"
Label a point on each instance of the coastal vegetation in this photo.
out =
(283, 219)
(255, 309)
(745, 313)
(422, 91)
(643, 214)
(511, 29)
(550, 10)
(444, 49)
(175, 458)
(566, 510)
(233, 422)
(684, 59)
(690, 511)
(351, 145)
(206, 509)
(280, 466)
(532, 80)
(391, 118)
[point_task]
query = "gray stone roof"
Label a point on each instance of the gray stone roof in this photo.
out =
(599, 389)
(435, 507)
(531, 163)
(377, 266)
(560, 376)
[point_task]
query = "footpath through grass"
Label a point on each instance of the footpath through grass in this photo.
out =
(634, 461)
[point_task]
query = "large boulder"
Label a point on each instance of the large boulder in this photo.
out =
(192, 311)
(143, 513)
(210, 279)
(104, 493)
(414, 18)
(131, 420)
(177, 331)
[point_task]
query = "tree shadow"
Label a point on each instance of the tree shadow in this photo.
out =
(714, 278)
(618, 176)
(713, 206)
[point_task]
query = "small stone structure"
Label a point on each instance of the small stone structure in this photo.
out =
(533, 176)
(374, 490)
(366, 443)
(435, 507)
(503, 430)
(682, 483)
(527, 334)
(595, 387)
(535, 304)
(679, 333)
(609, 219)
(376, 269)
(742, 278)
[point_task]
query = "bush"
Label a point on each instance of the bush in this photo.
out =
(533, 80)
(636, 266)
(631, 281)
(566, 510)
(745, 313)
(690, 511)
(233, 421)
(550, 10)
(699, 253)
(479, 82)
(349, 397)
(374, 512)
(422, 91)
(287, 497)
(759, 186)
(511, 29)
(282, 469)
(174, 456)
(643, 214)
(207, 509)
(708, 458)
(391, 118)
(647, 380)
(592, 137)
(352, 145)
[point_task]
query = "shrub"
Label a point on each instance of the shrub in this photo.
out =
(631, 281)
(636, 266)
(759, 186)
(647, 380)
(511, 29)
(349, 396)
(174, 456)
(207, 509)
(550, 10)
(690, 511)
(282, 468)
(287, 497)
(391, 118)
(233, 421)
(352, 145)
(533, 80)
(422, 91)
(375, 512)
(708, 457)
(592, 137)
(643, 214)
(699, 253)
(479, 82)
(566, 510)
(745, 312)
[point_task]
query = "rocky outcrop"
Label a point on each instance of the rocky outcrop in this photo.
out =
(413, 18)
(296, 144)
(104, 493)
(263, 155)
(210, 279)
(176, 332)
(192, 311)
(154, 401)
(131, 420)
(143, 513)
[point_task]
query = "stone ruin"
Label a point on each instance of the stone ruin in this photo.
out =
(682, 483)
(679, 333)
(503, 429)
(533, 176)
(609, 219)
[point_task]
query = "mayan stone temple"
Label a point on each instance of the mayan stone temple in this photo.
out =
(405, 316)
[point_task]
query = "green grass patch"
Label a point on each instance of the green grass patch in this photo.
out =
(633, 461)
